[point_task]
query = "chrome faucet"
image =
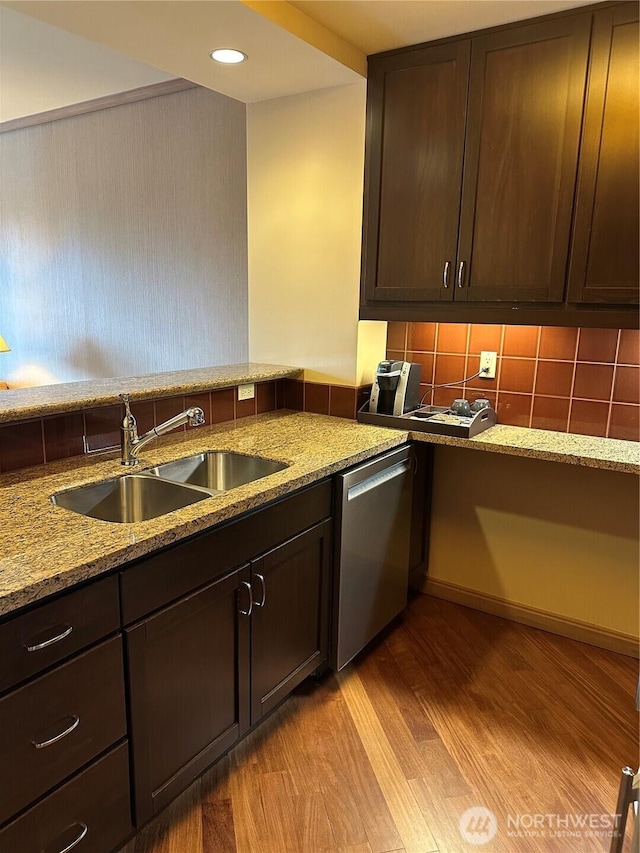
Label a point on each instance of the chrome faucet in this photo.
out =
(132, 444)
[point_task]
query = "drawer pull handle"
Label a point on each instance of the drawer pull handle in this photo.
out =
(56, 738)
(43, 645)
(249, 609)
(461, 274)
(83, 831)
(263, 596)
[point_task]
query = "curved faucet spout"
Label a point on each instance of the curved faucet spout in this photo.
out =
(132, 444)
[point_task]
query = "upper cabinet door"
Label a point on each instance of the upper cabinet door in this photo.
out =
(604, 260)
(525, 109)
(416, 123)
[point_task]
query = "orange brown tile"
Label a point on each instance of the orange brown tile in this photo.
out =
(521, 341)
(558, 342)
(266, 397)
(626, 387)
(554, 378)
(449, 368)
(588, 417)
(593, 381)
(514, 409)
(517, 374)
(598, 345)
(342, 401)
(625, 422)
(487, 338)
(629, 348)
(550, 413)
(452, 337)
(396, 335)
(421, 336)
(316, 398)
(426, 362)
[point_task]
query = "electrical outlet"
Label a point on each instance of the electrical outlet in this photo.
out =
(488, 364)
(246, 392)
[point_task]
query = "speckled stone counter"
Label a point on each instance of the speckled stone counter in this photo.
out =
(589, 451)
(45, 548)
(23, 403)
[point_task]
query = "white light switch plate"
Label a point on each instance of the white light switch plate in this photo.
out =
(246, 392)
(488, 359)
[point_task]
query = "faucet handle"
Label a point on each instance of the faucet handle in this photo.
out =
(195, 416)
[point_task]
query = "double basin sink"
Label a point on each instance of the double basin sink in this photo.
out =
(165, 488)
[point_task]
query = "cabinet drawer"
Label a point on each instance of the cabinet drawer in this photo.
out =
(59, 722)
(50, 632)
(94, 805)
(176, 571)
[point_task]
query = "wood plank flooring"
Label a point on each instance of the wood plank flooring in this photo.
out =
(451, 708)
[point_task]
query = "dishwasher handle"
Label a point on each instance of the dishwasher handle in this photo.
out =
(378, 479)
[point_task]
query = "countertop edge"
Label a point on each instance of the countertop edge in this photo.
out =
(21, 404)
(584, 458)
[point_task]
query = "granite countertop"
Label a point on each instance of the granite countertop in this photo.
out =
(45, 548)
(589, 451)
(22, 403)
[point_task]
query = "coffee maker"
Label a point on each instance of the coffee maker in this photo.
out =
(396, 388)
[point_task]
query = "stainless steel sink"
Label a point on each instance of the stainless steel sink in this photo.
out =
(218, 470)
(134, 497)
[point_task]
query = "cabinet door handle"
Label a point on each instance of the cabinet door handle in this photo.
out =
(83, 831)
(445, 273)
(249, 609)
(35, 647)
(56, 738)
(263, 588)
(461, 274)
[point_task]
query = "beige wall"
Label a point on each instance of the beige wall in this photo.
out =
(305, 176)
(550, 536)
(123, 240)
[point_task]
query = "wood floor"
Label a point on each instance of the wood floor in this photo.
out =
(450, 709)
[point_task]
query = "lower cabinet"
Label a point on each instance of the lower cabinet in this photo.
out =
(218, 630)
(188, 689)
(207, 667)
(52, 726)
(290, 620)
(64, 753)
(89, 814)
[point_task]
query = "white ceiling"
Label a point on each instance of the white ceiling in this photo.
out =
(60, 52)
(177, 37)
(377, 25)
(44, 68)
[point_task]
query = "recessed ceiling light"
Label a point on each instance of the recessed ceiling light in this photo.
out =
(228, 55)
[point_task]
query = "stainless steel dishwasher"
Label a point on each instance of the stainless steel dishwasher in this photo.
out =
(373, 532)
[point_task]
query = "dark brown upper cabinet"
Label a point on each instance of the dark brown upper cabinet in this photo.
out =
(525, 108)
(474, 149)
(604, 258)
(499, 230)
(417, 112)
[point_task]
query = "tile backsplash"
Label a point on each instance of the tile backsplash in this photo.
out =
(47, 439)
(572, 380)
